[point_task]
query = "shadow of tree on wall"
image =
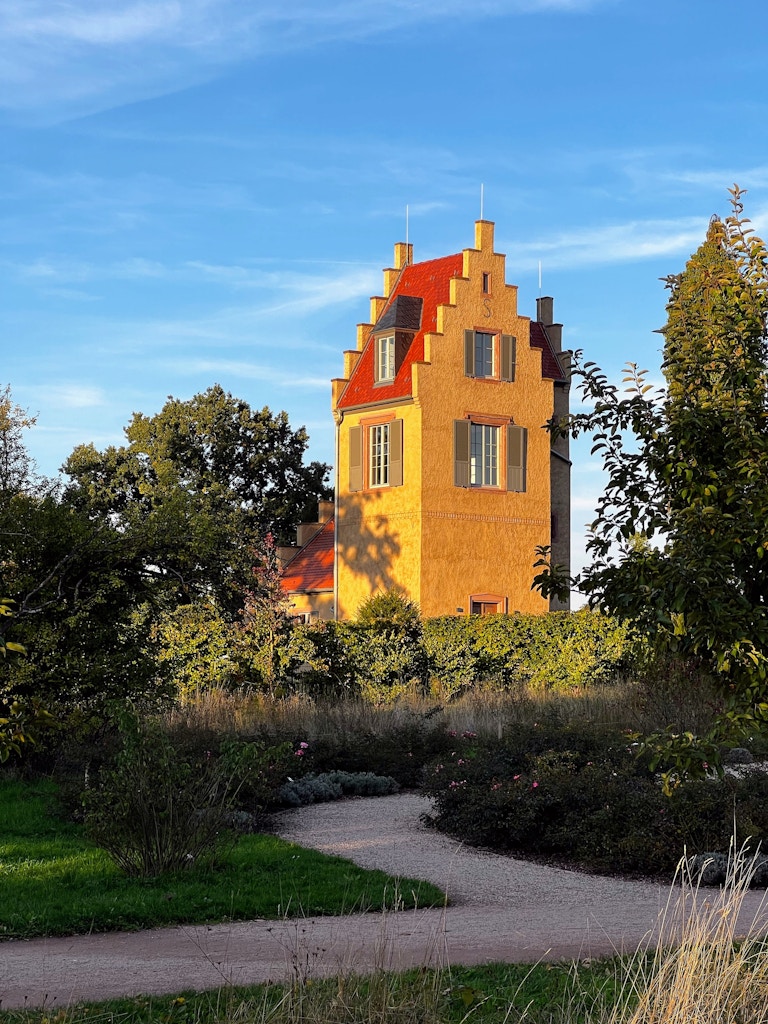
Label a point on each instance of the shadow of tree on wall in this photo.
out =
(369, 545)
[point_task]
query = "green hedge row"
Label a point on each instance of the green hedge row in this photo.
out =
(448, 655)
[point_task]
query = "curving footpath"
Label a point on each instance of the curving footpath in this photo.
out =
(501, 909)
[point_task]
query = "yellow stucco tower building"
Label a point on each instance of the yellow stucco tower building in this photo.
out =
(446, 480)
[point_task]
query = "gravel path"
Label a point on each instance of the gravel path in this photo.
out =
(502, 909)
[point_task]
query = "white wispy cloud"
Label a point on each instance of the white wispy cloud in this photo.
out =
(254, 371)
(612, 243)
(88, 54)
(71, 396)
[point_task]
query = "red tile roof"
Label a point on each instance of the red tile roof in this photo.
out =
(311, 568)
(550, 364)
(431, 282)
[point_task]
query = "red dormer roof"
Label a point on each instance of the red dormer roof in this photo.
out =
(550, 364)
(429, 281)
(311, 568)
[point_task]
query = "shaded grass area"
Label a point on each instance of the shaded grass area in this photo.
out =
(53, 881)
(488, 994)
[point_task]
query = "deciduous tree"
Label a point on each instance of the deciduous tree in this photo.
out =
(680, 541)
(199, 484)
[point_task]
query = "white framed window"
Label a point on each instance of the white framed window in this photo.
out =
(376, 455)
(484, 361)
(378, 451)
(483, 456)
(489, 356)
(385, 358)
(490, 455)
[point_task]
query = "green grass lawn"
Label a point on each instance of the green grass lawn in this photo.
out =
(53, 881)
(492, 994)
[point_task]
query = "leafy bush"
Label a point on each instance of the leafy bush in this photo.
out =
(313, 789)
(587, 799)
(400, 753)
(160, 808)
(556, 651)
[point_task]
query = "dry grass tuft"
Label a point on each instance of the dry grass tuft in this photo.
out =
(698, 973)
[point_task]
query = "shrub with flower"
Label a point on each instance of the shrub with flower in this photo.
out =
(582, 796)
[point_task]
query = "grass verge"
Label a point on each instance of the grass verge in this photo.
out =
(54, 882)
(490, 994)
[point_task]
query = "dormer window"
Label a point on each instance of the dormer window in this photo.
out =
(393, 333)
(385, 358)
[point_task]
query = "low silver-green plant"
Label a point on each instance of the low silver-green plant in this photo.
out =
(313, 789)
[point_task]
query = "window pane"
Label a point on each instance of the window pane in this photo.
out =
(483, 354)
(385, 358)
(483, 460)
(378, 440)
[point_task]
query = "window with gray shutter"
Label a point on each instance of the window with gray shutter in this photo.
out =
(355, 458)
(469, 353)
(517, 453)
(508, 356)
(461, 432)
(396, 453)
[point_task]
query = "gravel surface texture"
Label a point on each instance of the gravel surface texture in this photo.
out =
(500, 909)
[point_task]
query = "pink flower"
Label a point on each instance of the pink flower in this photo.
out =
(304, 746)
(467, 735)
(299, 753)
(515, 778)
(534, 785)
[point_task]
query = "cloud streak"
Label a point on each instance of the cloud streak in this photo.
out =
(85, 55)
(629, 242)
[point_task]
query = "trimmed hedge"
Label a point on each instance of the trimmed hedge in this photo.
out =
(448, 655)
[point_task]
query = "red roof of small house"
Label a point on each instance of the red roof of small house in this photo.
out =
(311, 568)
(429, 281)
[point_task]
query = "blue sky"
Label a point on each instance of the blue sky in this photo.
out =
(200, 191)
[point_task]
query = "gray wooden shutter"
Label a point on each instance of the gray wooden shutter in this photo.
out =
(396, 453)
(469, 353)
(517, 454)
(508, 356)
(355, 458)
(461, 431)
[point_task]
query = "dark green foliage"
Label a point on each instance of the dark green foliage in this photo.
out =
(586, 798)
(679, 542)
(76, 581)
(199, 485)
(400, 753)
(314, 789)
(389, 609)
(165, 803)
(154, 811)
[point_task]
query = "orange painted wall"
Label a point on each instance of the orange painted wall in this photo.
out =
(443, 543)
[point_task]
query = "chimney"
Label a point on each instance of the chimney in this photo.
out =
(545, 315)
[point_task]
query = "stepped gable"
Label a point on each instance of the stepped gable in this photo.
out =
(429, 281)
(311, 568)
(550, 364)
